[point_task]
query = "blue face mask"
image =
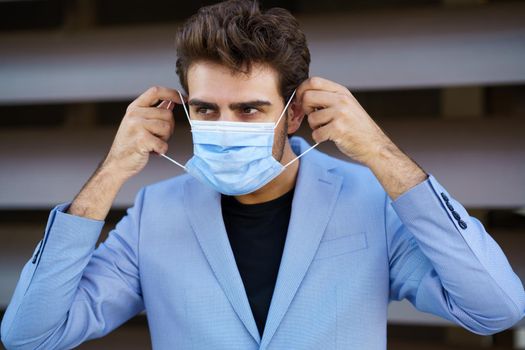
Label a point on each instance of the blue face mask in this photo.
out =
(234, 158)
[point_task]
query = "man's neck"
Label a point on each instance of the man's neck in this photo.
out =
(278, 186)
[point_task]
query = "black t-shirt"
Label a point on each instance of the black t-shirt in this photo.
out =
(257, 233)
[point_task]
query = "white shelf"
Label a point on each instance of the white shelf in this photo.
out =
(429, 47)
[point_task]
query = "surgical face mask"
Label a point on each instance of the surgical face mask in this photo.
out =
(234, 158)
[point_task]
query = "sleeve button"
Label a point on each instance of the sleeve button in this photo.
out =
(450, 207)
(462, 224)
(444, 196)
(456, 215)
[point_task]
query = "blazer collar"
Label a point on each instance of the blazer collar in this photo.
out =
(316, 191)
(203, 207)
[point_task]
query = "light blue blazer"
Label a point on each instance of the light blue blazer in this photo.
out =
(349, 251)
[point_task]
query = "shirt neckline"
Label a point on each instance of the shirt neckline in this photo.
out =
(279, 202)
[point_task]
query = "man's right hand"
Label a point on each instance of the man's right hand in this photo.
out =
(144, 129)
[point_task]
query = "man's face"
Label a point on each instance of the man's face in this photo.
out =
(217, 94)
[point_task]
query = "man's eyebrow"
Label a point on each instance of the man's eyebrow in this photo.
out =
(255, 103)
(234, 106)
(203, 104)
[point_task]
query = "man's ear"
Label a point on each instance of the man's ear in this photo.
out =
(295, 116)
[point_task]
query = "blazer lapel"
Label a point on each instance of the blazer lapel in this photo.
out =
(203, 208)
(314, 200)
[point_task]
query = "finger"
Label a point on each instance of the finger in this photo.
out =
(318, 99)
(169, 105)
(320, 118)
(318, 83)
(159, 128)
(153, 143)
(152, 113)
(156, 93)
(322, 134)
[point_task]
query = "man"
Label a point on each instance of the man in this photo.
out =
(256, 248)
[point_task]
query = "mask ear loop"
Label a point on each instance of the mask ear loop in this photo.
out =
(187, 116)
(278, 120)
(284, 110)
(302, 154)
(184, 106)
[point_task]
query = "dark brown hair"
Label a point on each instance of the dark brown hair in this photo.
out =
(237, 33)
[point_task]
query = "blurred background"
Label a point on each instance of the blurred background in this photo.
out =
(445, 79)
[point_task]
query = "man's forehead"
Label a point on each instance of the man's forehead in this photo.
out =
(209, 81)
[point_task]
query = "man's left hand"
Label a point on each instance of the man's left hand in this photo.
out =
(334, 114)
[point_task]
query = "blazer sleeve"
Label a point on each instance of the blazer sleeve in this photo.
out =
(444, 262)
(69, 292)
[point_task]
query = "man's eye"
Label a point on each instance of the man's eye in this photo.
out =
(204, 111)
(250, 110)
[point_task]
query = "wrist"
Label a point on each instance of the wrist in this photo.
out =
(112, 173)
(382, 153)
(96, 197)
(396, 171)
